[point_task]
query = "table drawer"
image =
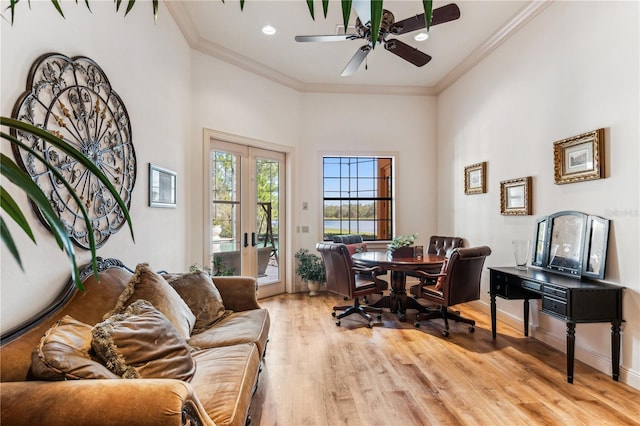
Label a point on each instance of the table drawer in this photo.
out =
(557, 292)
(553, 305)
(531, 285)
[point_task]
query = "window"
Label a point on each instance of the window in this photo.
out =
(357, 197)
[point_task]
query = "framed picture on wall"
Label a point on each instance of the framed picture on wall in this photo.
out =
(162, 187)
(515, 196)
(475, 178)
(579, 158)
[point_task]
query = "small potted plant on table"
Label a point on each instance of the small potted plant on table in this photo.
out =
(402, 246)
(310, 268)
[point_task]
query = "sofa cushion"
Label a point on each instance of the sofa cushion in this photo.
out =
(64, 353)
(141, 342)
(201, 295)
(148, 285)
(239, 327)
(225, 380)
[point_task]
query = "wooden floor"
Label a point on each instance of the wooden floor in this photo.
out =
(316, 373)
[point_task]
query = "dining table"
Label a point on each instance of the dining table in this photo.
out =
(397, 300)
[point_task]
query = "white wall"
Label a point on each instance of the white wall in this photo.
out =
(228, 99)
(573, 69)
(148, 65)
(403, 126)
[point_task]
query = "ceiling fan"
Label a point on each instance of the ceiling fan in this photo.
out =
(388, 26)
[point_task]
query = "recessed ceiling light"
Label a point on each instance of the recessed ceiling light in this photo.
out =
(268, 30)
(421, 36)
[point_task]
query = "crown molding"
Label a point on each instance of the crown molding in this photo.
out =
(196, 42)
(492, 43)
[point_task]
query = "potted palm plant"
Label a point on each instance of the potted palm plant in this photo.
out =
(310, 268)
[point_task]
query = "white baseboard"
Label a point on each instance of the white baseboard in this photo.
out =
(598, 361)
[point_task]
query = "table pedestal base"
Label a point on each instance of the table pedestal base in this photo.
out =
(398, 302)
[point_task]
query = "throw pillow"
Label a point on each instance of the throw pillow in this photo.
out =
(64, 352)
(201, 295)
(148, 285)
(141, 343)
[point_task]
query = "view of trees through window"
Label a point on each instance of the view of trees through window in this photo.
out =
(225, 196)
(357, 197)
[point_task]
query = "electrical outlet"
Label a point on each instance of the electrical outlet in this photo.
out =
(305, 205)
(305, 229)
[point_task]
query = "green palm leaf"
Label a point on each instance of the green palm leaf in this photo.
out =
(376, 20)
(8, 241)
(12, 172)
(9, 205)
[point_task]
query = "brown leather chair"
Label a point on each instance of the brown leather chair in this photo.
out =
(442, 246)
(350, 281)
(459, 283)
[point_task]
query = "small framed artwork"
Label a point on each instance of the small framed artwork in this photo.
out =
(475, 178)
(162, 187)
(515, 196)
(579, 158)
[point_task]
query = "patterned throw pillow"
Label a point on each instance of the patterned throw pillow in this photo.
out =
(141, 343)
(201, 295)
(64, 352)
(148, 285)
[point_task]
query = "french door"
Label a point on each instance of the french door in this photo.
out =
(246, 214)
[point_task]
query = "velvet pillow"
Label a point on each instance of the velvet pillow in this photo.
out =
(201, 295)
(64, 352)
(146, 284)
(141, 343)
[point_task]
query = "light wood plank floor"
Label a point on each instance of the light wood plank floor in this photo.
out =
(394, 374)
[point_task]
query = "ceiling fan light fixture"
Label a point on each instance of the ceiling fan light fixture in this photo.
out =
(268, 30)
(421, 36)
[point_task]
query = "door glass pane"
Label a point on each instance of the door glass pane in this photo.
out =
(267, 215)
(225, 214)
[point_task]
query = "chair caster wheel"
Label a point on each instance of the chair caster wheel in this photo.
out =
(369, 325)
(445, 333)
(416, 324)
(333, 314)
(472, 329)
(338, 323)
(379, 317)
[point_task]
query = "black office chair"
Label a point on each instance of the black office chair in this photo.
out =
(350, 281)
(460, 283)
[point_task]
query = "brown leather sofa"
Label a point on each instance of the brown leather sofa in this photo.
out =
(226, 358)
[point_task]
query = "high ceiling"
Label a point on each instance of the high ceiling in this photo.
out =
(224, 31)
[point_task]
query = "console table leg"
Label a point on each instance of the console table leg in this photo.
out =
(493, 314)
(615, 350)
(571, 345)
(526, 317)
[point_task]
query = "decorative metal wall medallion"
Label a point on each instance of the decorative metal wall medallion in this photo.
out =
(73, 99)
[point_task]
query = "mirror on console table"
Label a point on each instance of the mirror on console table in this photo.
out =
(572, 243)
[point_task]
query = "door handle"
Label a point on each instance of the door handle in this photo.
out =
(253, 239)
(246, 240)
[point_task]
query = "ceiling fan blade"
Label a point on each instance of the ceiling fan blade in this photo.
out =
(440, 15)
(449, 12)
(356, 61)
(325, 38)
(363, 10)
(406, 52)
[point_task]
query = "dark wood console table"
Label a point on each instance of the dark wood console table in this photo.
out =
(569, 299)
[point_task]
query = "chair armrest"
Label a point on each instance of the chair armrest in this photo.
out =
(427, 275)
(375, 270)
(238, 293)
(105, 402)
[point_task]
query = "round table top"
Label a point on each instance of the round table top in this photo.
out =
(385, 260)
